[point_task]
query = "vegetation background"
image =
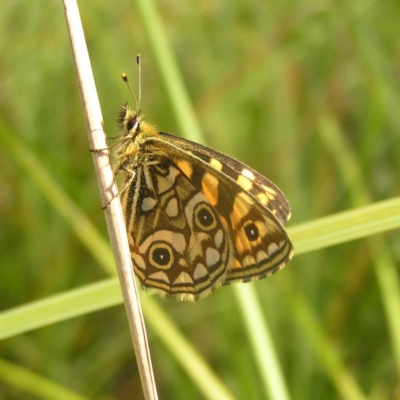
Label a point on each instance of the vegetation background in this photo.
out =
(270, 82)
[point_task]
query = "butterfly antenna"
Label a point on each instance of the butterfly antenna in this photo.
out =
(125, 78)
(139, 64)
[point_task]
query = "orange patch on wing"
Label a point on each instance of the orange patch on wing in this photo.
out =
(209, 185)
(186, 167)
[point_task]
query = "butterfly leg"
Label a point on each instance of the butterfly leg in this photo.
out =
(127, 182)
(107, 148)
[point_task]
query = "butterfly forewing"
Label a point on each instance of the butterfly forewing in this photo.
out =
(266, 192)
(196, 219)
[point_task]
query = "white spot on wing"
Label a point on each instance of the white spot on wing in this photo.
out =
(261, 256)
(248, 174)
(200, 271)
(165, 183)
(183, 277)
(218, 238)
(172, 208)
(159, 276)
(212, 257)
(148, 203)
(272, 248)
(248, 261)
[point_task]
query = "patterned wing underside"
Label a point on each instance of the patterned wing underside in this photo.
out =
(178, 242)
(261, 246)
(191, 231)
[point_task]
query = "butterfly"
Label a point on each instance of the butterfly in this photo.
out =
(196, 219)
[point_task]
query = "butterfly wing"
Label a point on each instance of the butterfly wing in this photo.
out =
(265, 191)
(179, 244)
(261, 246)
(190, 234)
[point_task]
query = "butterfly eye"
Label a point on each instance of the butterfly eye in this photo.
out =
(204, 217)
(161, 256)
(251, 231)
(131, 123)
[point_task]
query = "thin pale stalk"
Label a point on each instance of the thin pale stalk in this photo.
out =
(113, 212)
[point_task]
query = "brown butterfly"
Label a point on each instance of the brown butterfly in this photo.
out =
(196, 219)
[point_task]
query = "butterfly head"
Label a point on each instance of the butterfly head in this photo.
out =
(132, 124)
(129, 121)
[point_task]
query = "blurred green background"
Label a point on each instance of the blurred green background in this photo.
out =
(263, 77)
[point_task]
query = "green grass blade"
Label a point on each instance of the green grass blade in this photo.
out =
(207, 382)
(179, 97)
(345, 226)
(60, 307)
(385, 267)
(329, 356)
(275, 386)
(34, 384)
(56, 196)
